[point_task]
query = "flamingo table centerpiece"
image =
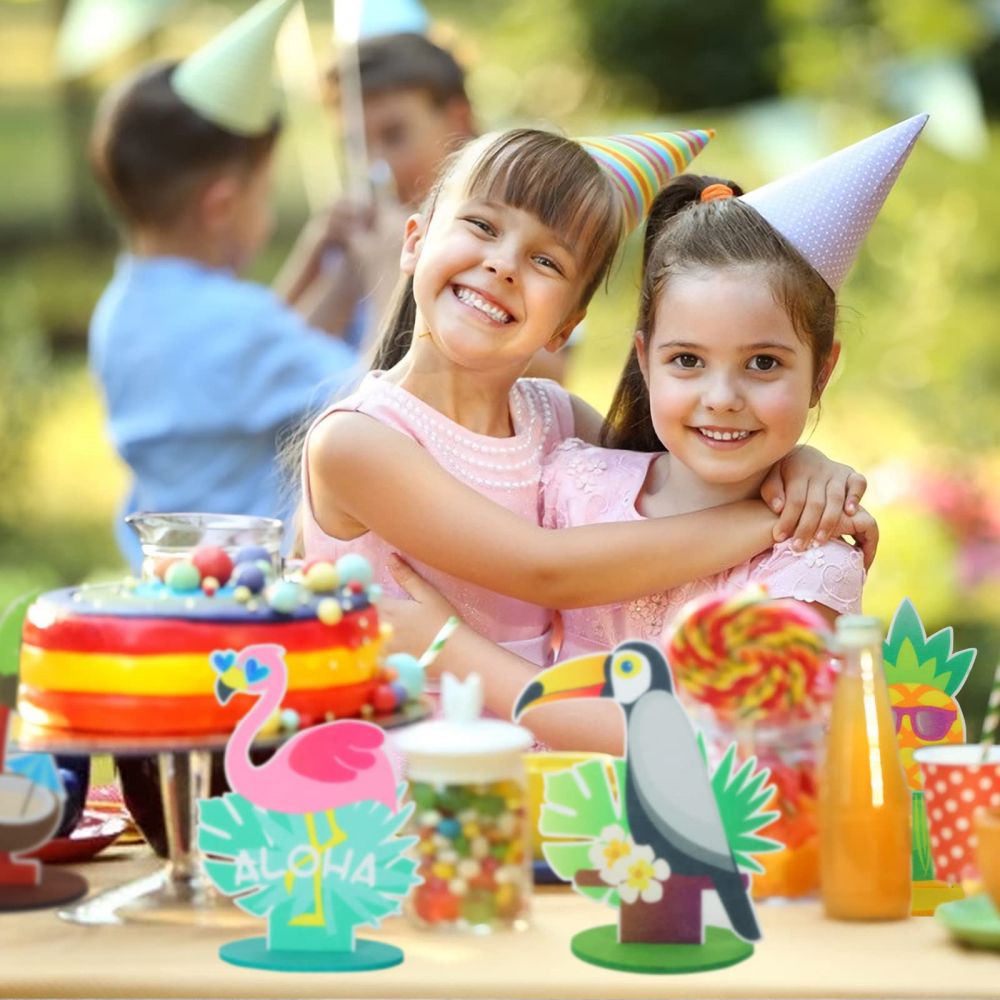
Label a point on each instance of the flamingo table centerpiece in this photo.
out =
(308, 839)
(320, 768)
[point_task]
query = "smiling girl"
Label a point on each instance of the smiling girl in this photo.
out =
(734, 347)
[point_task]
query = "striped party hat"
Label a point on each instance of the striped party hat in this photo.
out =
(641, 164)
(229, 79)
(826, 209)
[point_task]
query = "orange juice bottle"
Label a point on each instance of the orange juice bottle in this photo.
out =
(865, 809)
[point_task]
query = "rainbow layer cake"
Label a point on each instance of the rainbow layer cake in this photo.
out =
(132, 658)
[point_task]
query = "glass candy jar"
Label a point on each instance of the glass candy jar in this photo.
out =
(165, 537)
(467, 780)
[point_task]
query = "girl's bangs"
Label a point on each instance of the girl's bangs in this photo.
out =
(555, 180)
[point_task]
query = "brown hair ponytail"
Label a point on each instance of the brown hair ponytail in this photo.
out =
(628, 423)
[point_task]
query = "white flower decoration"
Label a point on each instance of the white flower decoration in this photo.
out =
(607, 852)
(588, 472)
(814, 557)
(641, 876)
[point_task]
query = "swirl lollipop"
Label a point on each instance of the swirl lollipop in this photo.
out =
(750, 658)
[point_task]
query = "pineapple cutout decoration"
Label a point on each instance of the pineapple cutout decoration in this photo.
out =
(924, 675)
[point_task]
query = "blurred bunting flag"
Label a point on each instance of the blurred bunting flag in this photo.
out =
(641, 164)
(944, 86)
(785, 134)
(93, 31)
(391, 17)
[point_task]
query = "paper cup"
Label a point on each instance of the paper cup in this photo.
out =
(957, 785)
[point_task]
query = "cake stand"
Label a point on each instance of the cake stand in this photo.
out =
(179, 892)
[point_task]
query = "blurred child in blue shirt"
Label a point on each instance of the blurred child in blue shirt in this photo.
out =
(201, 371)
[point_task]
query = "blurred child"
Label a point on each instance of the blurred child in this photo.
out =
(417, 113)
(734, 345)
(200, 370)
(445, 424)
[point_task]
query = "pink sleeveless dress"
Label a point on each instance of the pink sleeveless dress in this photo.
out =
(506, 470)
(582, 484)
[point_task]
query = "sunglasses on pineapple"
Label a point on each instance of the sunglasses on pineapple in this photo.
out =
(928, 722)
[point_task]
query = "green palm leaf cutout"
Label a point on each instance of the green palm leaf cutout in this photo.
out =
(580, 803)
(346, 864)
(742, 792)
(11, 625)
(921, 861)
(913, 657)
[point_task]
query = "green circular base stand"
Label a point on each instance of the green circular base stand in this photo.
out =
(600, 946)
(253, 953)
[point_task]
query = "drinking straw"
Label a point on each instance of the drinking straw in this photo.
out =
(992, 721)
(346, 32)
(431, 653)
(27, 798)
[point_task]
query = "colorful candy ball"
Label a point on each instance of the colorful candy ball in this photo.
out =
(384, 699)
(249, 575)
(321, 577)
(409, 672)
(161, 566)
(352, 568)
(329, 611)
(284, 597)
(213, 560)
(183, 576)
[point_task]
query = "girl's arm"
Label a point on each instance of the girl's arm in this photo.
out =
(590, 725)
(809, 491)
(366, 476)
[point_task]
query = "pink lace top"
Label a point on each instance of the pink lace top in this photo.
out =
(582, 484)
(507, 470)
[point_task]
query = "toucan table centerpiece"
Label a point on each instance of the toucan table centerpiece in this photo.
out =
(658, 829)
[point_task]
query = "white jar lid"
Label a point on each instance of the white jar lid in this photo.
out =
(462, 746)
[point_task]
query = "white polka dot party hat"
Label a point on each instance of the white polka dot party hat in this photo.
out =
(826, 209)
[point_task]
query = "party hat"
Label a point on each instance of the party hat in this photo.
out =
(392, 17)
(229, 80)
(93, 31)
(826, 209)
(641, 164)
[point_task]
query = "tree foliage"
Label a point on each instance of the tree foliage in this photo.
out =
(688, 55)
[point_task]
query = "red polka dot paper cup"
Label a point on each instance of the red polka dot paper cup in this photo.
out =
(957, 784)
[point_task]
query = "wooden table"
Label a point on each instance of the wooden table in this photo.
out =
(802, 955)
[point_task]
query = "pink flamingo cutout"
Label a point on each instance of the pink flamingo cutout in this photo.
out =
(320, 768)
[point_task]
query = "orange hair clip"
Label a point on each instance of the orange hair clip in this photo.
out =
(715, 192)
